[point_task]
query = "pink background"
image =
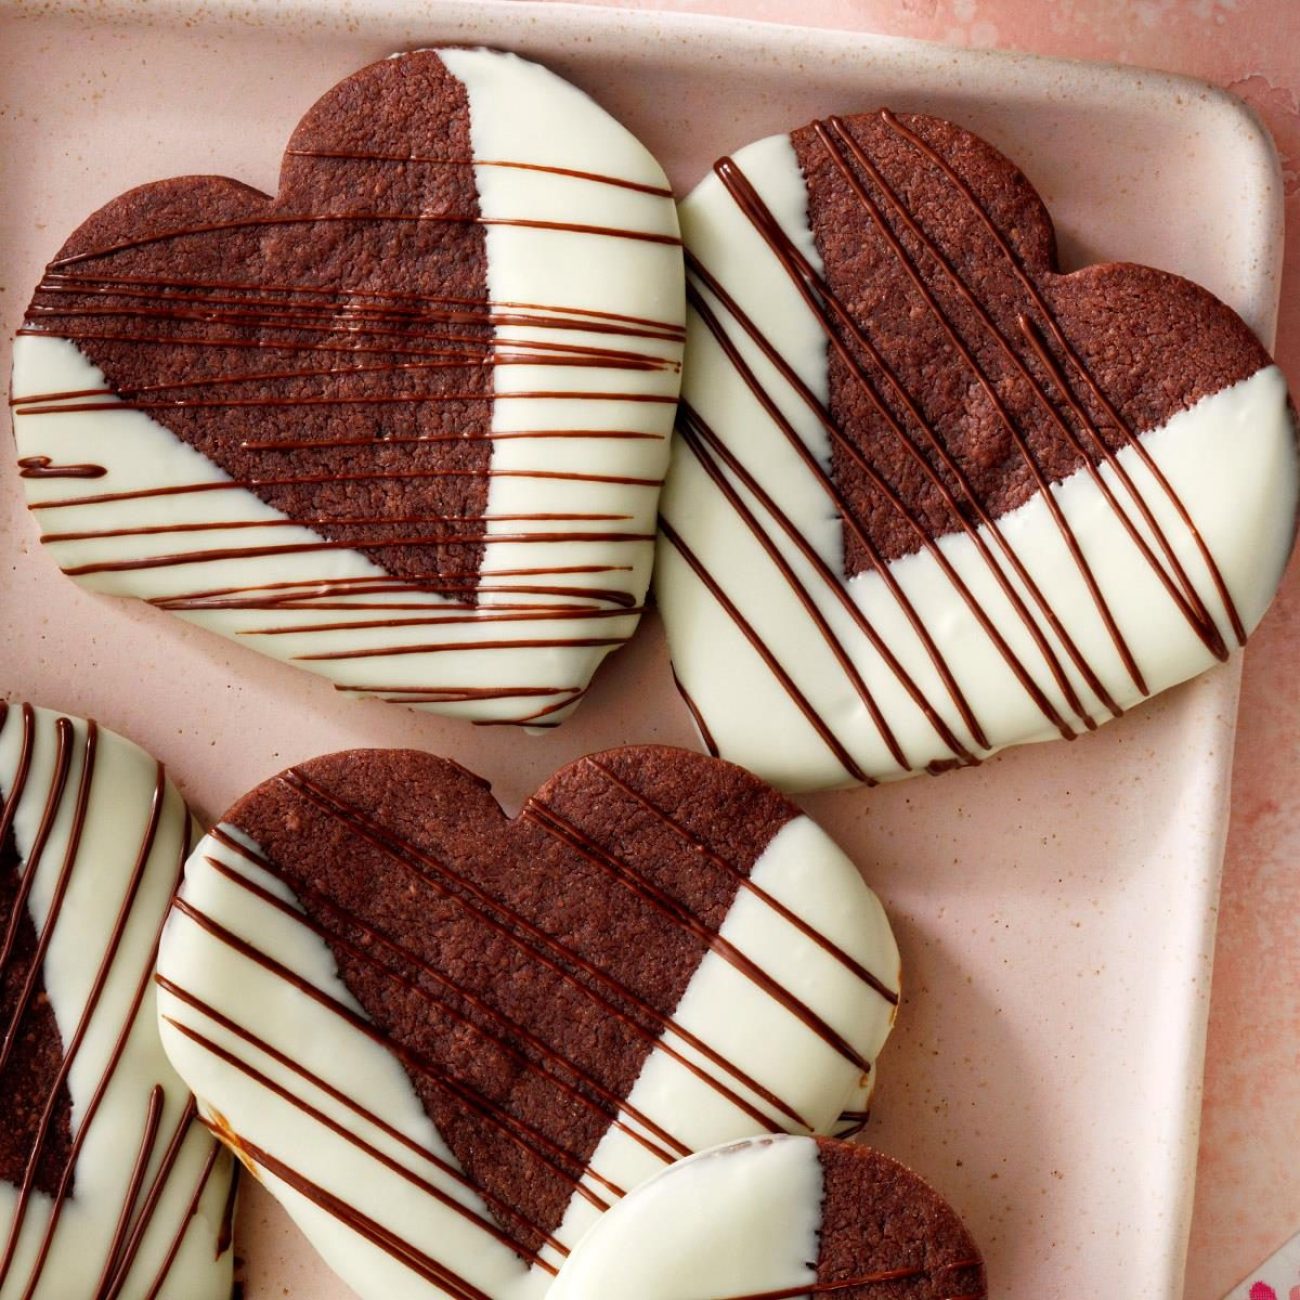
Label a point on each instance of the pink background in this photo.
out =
(1248, 1190)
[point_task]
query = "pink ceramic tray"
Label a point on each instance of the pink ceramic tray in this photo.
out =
(1056, 908)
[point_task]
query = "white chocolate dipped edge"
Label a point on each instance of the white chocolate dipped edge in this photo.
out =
(519, 112)
(116, 882)
(740, 1220)
(1230, 459)
(299, 1049)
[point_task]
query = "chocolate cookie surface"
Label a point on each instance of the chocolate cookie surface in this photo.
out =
(930, 496)
(448, 1041)
(779, 1219)
(108, 1186)
(403, 423)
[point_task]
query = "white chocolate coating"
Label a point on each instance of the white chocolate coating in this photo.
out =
(99, 983)
(1230, 460)
(519, 113)
(302, 1048)
(740, 1220)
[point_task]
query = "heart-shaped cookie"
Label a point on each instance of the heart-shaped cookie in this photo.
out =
(931, 497)
(108, 1186)
(404, 423)
(780, 1218)
(447, 1040)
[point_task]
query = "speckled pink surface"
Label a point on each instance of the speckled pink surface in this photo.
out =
(1053, 908)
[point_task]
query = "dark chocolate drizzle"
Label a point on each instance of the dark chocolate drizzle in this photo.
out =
(745, 881)
(44, 467)
(1053, 327)
(37, 1138)
(499, 1207)
(626, 876)
(830, 312)
(851, 1123)
(312, 218)
(554, 955)
(836, 140)
(141, 1201)
(1046, 372)
(599, 177)
(424, 1266)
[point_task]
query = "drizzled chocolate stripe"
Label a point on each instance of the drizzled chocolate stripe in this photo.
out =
(555, 956)
(312, 218)
(153, 530)
(425, 1266)
(1058, 337)
(521, 643)
(352, 348)
(598, 435)
(303, 548)
(537, 613)
(63, 733)
(506, 353)
(262, 480)
(223, 1241)
(262, 1046)
(835, 144)
(765, 652)
(835, 584)
(388, 399)
(829, 311)
(140, 1204)
(44, 467)
(339, 317)
(469, 350)
(527, 1137)
(506, 1029)
(318, 1116)
(152, 1118)
(851, 1123)
(469, 308)
(561, 827)
(746, 882)
(598, 178)
(303, 596)
(181, 1133)
(710, 745)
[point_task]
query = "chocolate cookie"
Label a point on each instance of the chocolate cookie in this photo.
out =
(108, 1186)
(930, 496)
(448, 1041)
(402, 424)
(779, 1219)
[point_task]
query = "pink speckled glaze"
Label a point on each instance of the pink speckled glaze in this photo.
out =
(1055, 908)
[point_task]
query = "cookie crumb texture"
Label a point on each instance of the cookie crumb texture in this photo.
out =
(403, 423)
(779, 1219)
(930, 497)
(448, 1041)
(109, 1184)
